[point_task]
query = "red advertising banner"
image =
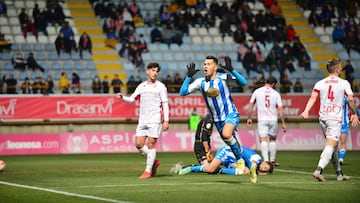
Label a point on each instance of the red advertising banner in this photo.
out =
(172, 141)
(102, 107)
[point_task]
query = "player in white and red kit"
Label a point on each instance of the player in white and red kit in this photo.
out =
(153, 116)
(269, 105)
(331, 91)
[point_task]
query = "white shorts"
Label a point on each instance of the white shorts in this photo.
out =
(267, 128)
(331, 129)
(150, 130)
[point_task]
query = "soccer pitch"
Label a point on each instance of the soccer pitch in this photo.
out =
(114, 178)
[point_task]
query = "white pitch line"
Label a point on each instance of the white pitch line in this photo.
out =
(62, 192)
(307, 173)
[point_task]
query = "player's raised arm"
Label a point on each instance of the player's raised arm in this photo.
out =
(191, 71)
(240, 79)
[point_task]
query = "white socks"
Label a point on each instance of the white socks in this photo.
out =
(264, 148)
(326, 156)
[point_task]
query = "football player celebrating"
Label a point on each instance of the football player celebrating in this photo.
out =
(216, 92)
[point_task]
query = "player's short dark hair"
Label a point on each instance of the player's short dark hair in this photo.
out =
(213, 58)
(271, 80)
(153, 65)
(270, 171)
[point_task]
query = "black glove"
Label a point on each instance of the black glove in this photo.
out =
(228, 65)
(191, 71)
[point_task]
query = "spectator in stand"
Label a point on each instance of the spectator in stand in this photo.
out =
(2, 84)
(277, 48)
(100, 9)
(75, 83)
(96, 85)
(177, 82)
(73, 45)
(19, 62)
(28, 27)
(173, 7)
(275, 9)
(142, 44)
(116, 83)
(5, 45)
(3, 8)
(338, 35)
(258, 82)
(349, 72)
(11, 83)
(198, 18)
(148, 20)
(32, 63)
(26, 86)
(298, 87)
(62, 44)
(85, 43)
(139, 62)
(260, 18)
(225, 27)
(296, 48)
(286, 62)
(23, 17)
(59, 14)
(168, 82)
(272, 61)
(351, 41)
(285, 84)
(138, 21)
(67, 30)
(166, 35)
(134, 8)
(250, 62)
(112, 38)
(38, 86)
(325, 17)
(105, 85)
(243, 48)
(64, 83)
(239, 35)
(49, 85)
(290, 33)
(119, 24)
(131, 84)
(304, 60)
(40, 23)
(313, 18)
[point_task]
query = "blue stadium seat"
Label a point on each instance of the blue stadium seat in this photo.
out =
(8, 66)
(26, 47)
(78, 66)
(87, 56)
(52, 56)
(41, 56)
(5, 56)
(75, 56)
(90, 65)
(67, 65)
(56, 66)
(178, 56)
(64, 56)
(49, 47)
(15, 47)
(38, 47)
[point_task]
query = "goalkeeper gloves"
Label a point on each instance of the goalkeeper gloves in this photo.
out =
(191, 71)
(228, 65)
(209, 156)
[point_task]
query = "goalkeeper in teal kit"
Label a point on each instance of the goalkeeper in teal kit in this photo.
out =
(216, 93)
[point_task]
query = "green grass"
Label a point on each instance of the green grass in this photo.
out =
(114, 177)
